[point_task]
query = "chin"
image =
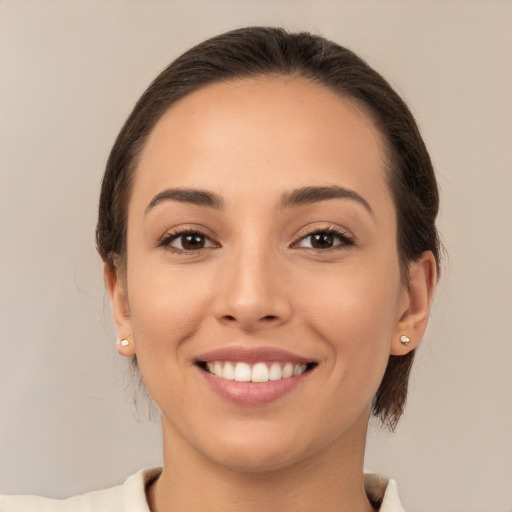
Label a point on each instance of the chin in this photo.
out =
(255, 458)
(263, 448)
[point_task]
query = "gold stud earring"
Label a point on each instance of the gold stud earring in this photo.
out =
(124, 343)
(405, 340)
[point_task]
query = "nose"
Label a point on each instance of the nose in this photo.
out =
(252, 293)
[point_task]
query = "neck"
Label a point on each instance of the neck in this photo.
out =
(330, 480)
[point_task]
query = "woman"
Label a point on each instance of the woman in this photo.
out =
(267, 223)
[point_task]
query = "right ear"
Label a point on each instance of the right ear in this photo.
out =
(116, 288)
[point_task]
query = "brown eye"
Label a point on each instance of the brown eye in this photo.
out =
(187, 241)
(326, 240)
(192, 242)
(322, 240)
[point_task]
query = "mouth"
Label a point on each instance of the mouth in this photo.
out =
(254, 376)
(257, 372)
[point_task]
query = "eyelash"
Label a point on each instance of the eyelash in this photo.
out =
(342, 236)
(168, 238)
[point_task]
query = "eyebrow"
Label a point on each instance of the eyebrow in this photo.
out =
(295, 198)
(309, 195)
(188, 195)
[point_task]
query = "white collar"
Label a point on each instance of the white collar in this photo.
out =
(381, 490)
(131, 497)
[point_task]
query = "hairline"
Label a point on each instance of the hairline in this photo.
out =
(387, 148)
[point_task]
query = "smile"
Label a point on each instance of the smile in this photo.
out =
(258, 372)
(253, 376)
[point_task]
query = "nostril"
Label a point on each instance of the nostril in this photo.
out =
(265, 318)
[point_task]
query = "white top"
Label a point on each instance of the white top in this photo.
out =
(131, 497)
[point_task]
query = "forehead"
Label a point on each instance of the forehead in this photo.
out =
(263, 133)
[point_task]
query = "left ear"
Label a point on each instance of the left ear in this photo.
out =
(115, 282)
(415, 304)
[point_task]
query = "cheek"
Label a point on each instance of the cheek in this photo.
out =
(353, 310)
(167, 307)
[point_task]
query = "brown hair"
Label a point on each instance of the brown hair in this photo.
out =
(260, 51)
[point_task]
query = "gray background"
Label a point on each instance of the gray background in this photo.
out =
(70, 71)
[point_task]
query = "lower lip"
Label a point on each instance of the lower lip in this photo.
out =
(253, 393)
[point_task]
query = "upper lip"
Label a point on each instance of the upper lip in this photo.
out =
(252, 355)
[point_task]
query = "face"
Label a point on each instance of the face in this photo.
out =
(262, 289)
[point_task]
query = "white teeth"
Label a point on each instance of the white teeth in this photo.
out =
(260, 372)
(275, 372)
(287, 370)
(299, 368)
(229, 371)
(242, 372)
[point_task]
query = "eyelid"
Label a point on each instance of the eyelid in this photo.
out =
(343, 235)
(173, 234)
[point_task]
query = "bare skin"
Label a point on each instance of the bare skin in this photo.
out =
(249, 264)
(330, 476)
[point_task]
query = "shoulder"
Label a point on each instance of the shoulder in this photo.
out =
(128, 497)
(382, 493)
(131, 497)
